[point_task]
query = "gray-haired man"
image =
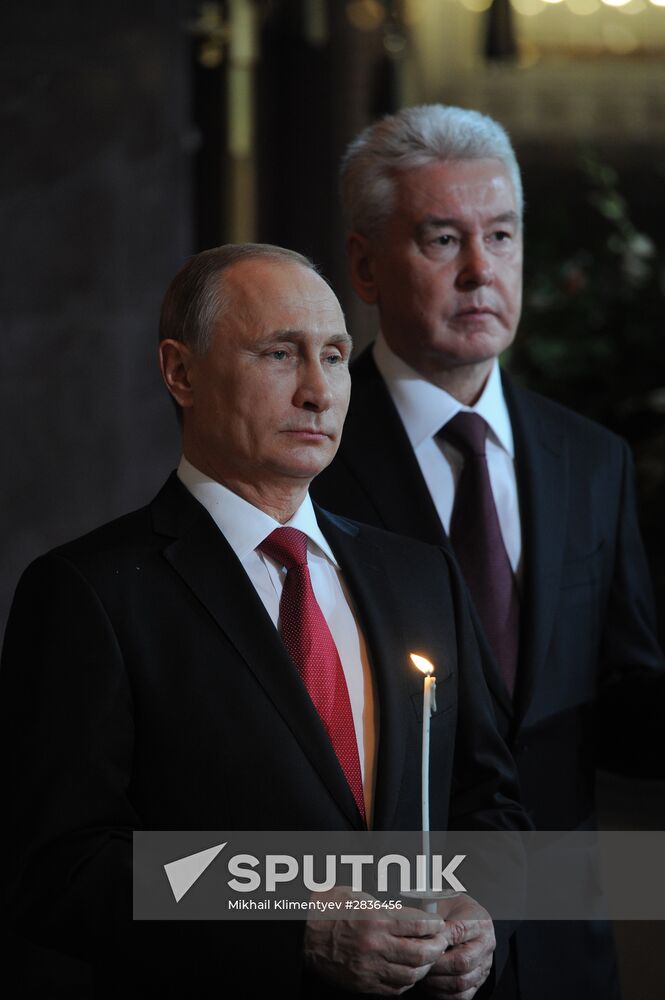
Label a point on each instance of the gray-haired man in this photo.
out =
(537, 501)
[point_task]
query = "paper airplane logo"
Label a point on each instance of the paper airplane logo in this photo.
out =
(183, 873)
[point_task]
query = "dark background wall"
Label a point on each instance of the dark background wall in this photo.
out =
(95, 218)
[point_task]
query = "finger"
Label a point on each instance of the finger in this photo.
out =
(457, 983)
(413, 952)
(401, 977)
(457, 986)
(449, 989)
(412, 923)
(464, 957)
(461, 931)
(465, 995)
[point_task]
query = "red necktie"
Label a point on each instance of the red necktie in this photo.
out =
(310, 645)
(476, 537)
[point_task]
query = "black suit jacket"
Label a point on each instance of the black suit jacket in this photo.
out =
(590, 664)
(144, 686)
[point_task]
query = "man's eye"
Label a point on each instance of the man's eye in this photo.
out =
(501, 236)
(444, 240)
(333, 359)
(278, 355)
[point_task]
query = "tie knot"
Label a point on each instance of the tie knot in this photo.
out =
(287, 546)
(467, 432)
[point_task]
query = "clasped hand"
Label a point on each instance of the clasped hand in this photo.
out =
(449, 952)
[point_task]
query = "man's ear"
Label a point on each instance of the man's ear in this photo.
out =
(359, 249)
(175, 361)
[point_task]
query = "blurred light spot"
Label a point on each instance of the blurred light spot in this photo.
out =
(367, 15)
(619, 39)
(583, 7)
(529, 8)
(633, 7)
(394, 43)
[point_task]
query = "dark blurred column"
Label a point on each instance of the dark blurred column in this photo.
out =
(500, 41)
(295, 157)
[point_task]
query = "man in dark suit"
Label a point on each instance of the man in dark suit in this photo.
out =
(548, 537)
(156, 676)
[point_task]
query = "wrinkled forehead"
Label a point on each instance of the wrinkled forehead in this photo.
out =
(447, 186)
(266, 294)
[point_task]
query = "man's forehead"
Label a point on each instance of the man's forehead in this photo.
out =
(271, 268)
(266, 281)
(484, 180)
(272, 297)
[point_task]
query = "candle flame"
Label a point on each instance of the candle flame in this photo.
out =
(422, 663)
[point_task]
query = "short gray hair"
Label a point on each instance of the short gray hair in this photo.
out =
(413, 138)
(196, 299)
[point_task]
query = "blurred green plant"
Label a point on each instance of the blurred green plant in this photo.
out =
(591, 333)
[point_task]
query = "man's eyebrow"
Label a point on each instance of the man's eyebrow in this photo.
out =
(293, 336)
(438, 222)
(507, 217)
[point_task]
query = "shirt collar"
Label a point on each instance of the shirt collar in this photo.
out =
(424, 408)
(243, 525)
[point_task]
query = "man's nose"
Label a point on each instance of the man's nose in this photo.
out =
(476, 266)
(313, 390)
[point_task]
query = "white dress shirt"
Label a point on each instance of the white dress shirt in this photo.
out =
(424, 408)
(245, 527)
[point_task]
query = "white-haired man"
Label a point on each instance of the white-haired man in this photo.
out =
(537, 501)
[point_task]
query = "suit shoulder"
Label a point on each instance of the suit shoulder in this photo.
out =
(124, 531)
(128, 538)
(574, 425)
(141, 530)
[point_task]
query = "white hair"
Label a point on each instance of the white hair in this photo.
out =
(415, 137)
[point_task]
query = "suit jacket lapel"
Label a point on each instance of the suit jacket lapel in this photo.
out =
(202, 557)
(542, 478)
(365, 577)
(378, 450)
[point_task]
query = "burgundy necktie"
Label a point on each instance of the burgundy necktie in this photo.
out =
(476, 537)
(308, 641)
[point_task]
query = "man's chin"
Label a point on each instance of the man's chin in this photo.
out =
(307, 467)
(472, 347)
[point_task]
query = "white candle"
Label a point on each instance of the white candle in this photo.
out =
(429, 705)
(428, 697)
